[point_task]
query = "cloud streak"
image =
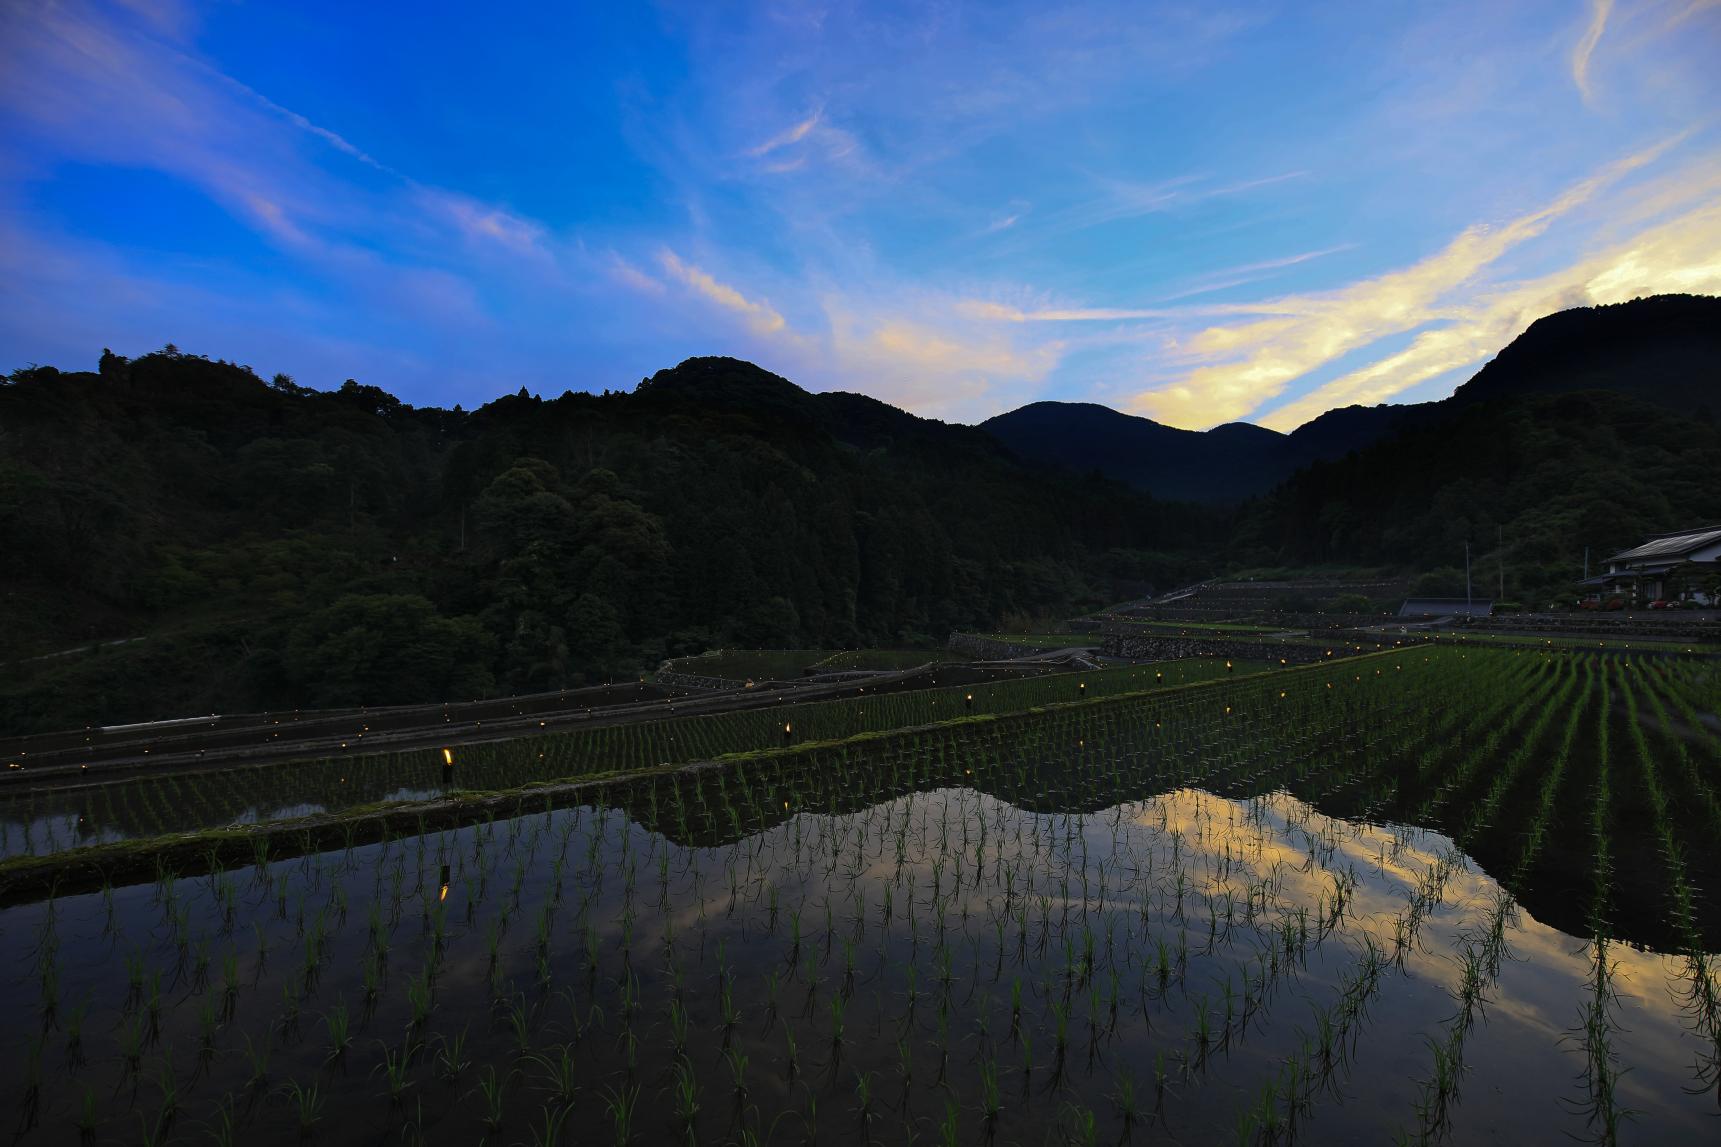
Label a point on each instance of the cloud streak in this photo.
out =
(1681, 255)
(759, 315)
(1243, 366)
(1586, 47)
(791, 135)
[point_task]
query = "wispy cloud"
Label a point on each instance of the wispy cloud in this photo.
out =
(631, 276)
(113, 92)
(1243, 366)
(954, 208)
(1227, 278)
(916, 349)
(794, 148)
(926, 360)
(1219, 280)
(1687, 11)
(485, 222)
(1680, 255)
(1123, 199)
(1581, 55)
(333, 139)
(1005, 313)
(793, 134)
(761, 318)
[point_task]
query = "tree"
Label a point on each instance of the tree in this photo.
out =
(597, 645)
(521, 506)
(387, 649)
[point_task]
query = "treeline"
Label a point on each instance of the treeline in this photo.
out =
(259, 544)
(1528, 482)
(277, 546)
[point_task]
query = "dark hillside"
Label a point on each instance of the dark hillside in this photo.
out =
(1544, 474)
(1226, 464)
(279, 546)
(1664, 350)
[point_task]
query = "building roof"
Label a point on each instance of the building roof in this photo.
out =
(1670, 546)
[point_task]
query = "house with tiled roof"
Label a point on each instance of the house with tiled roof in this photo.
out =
(1682, 565)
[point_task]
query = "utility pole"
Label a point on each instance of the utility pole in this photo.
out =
(1586, 563)
(1468, 606)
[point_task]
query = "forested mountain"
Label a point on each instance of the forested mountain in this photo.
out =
(1664, 350)
(1226, 464)
(279, 546)
(1594, 428)
(262, 544)
(1529, 481)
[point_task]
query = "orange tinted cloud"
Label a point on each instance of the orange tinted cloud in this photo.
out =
(1260, 358)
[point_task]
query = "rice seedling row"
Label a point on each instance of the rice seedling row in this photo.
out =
(54, 819)
(1135, 919)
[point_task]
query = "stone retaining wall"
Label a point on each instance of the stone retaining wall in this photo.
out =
(693, 681)
(986, 649)
(1149, 647)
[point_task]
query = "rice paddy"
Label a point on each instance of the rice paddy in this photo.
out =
(56, 818)
(1425, 895)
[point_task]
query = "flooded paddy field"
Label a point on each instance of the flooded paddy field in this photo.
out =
(1430, 896)
(76, 810)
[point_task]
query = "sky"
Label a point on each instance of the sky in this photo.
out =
(1194, 212)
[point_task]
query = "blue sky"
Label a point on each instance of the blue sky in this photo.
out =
(1194, 212)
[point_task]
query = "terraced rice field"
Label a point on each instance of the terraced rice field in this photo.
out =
(1564, 641)
(67, 817)
(1427, 895)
